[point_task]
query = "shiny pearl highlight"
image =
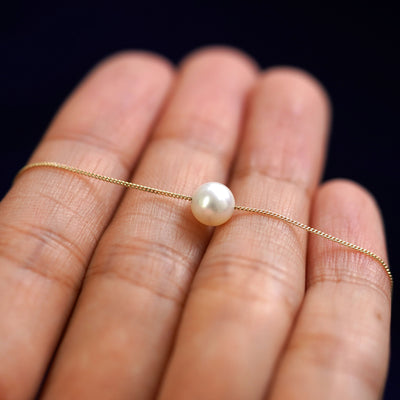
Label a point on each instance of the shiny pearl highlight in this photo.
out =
(213, 204)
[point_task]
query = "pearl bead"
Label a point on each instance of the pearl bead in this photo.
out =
(213, 204)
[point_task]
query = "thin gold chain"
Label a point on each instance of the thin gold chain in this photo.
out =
(105, 179)
(189, 198)
(322, 234)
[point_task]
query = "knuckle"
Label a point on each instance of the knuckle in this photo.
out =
(156, 267)
(45, 252)
(290, 184)
(189, 129)
(251, 280)
(99, 146)
(353, 268)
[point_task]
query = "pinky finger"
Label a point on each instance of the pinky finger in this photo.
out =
(339, 348)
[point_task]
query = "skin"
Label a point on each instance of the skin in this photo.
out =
(113, 294)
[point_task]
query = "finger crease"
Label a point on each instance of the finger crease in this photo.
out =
(94, 142)
(299, 185)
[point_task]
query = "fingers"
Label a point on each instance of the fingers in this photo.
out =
(339, 348)
(50, 221)
(123, 326)
(251, 280)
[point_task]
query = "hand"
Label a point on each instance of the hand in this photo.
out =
(126, 296)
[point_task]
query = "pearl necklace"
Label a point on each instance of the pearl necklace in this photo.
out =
(213, 204)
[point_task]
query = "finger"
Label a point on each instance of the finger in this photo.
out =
(339, 348)
(121, 332)
(251, 279)
(50, 221)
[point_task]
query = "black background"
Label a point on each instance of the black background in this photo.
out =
(46, 48)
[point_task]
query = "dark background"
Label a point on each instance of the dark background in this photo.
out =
(47, 46)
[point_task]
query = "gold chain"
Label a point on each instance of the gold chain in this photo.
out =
(189, 198)
(105, 179)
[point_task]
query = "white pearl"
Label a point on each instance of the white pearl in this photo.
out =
(213, 204)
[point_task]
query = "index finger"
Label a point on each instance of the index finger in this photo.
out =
(50, 221)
